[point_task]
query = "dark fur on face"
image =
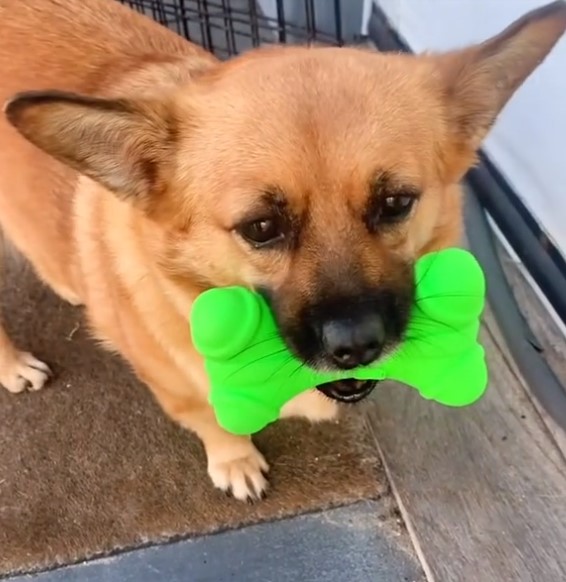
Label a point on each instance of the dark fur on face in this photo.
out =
(347, 298)
(355, 302)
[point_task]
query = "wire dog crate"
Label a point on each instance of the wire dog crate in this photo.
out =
(229, 27)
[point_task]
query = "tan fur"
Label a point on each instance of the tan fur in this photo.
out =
(131, 213)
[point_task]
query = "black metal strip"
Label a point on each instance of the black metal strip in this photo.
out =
(522, 344)
(505, 208)
(281, 26)
(338, 22)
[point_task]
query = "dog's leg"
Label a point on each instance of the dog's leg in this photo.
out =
(19, 370)
(234, 463)
(311, 405)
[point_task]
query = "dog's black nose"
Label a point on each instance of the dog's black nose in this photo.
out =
(353, 342)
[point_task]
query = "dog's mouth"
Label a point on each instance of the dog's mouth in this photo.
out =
(348, 391)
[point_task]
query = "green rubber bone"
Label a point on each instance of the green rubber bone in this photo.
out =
(253, 374)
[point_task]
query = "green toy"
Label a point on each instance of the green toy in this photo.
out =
(253, 374)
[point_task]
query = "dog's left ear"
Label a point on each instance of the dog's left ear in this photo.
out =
(478, 81)
(121, 144)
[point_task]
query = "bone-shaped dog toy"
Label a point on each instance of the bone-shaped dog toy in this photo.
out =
(253, 374)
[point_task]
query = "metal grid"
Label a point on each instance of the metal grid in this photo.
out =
(228, 27)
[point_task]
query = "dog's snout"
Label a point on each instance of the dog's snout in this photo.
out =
(353, 342)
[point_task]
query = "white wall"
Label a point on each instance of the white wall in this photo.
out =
(528, 143)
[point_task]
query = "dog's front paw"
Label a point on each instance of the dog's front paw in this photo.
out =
(21, 371)
(243, 476)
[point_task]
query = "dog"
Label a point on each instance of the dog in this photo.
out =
(137, 170)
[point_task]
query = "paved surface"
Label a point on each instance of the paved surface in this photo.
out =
(350, 544)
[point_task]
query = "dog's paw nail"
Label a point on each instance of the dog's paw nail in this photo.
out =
(24, 372)
(243, 478)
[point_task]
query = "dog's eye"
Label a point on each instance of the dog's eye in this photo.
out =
(394, 208)
(262, 232)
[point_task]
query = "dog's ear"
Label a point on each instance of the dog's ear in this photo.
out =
(479, 80)
(120, 144)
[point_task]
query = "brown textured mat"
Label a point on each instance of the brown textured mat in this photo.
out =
(90, 465)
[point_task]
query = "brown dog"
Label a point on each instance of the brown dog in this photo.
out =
(141, 171)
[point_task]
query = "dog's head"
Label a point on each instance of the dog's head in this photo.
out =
(316, 175)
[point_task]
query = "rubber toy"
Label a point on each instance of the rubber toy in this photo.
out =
(253, 374)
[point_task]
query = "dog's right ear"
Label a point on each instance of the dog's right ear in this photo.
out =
(479, 80)
(121, 144)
